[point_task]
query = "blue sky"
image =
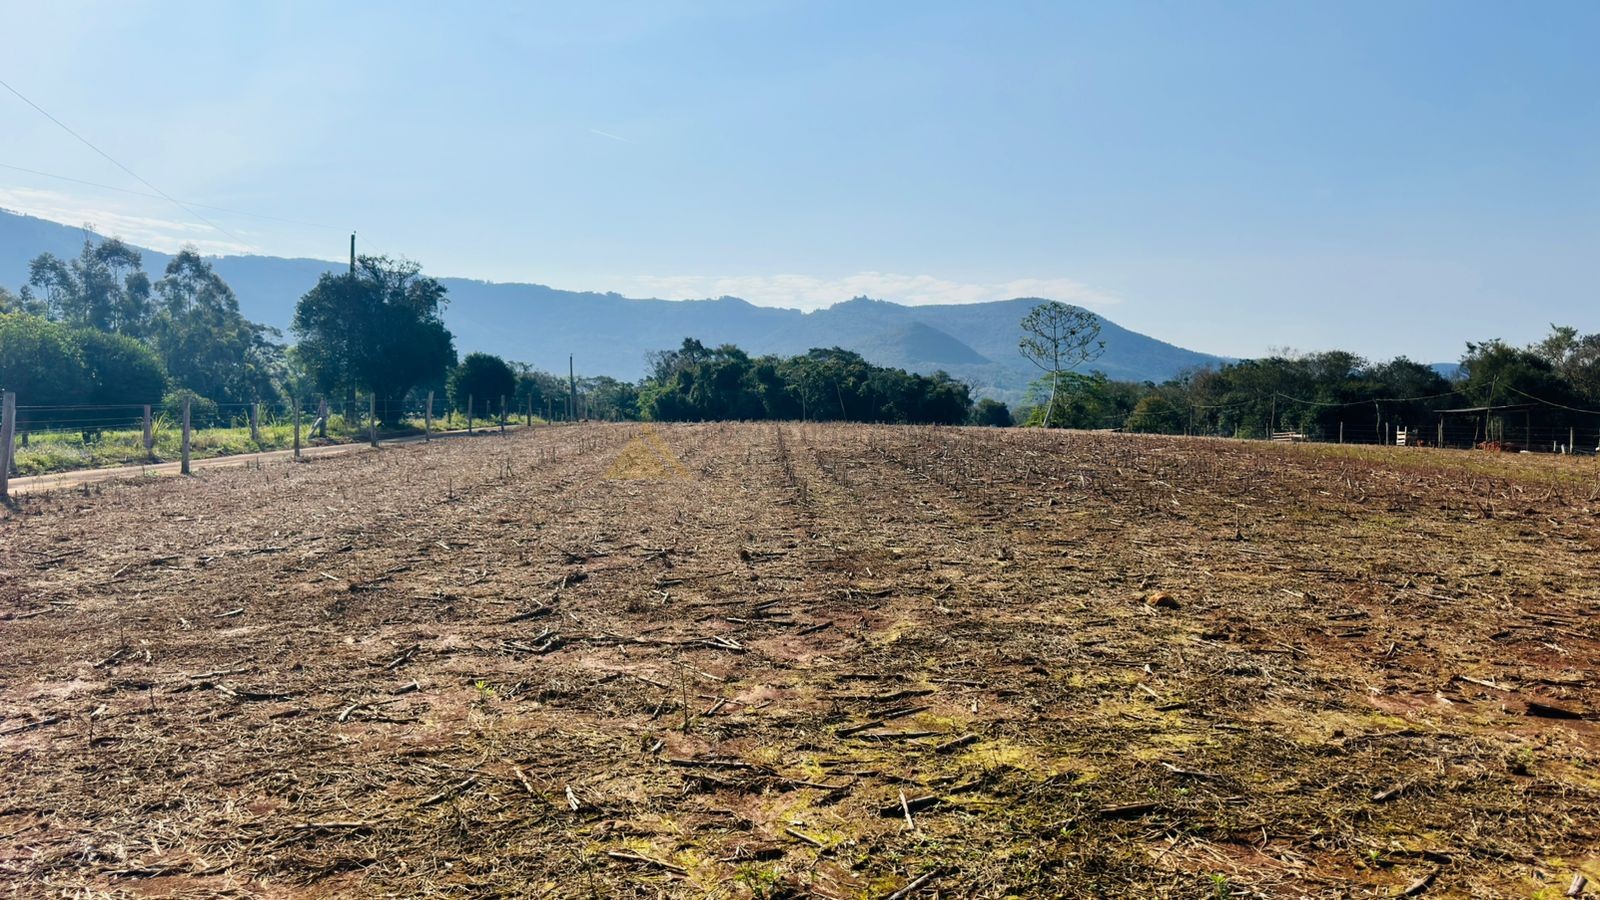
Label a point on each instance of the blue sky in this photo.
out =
(1233, 177)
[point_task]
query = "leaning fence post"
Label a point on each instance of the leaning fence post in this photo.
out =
(372, 417)
(184, 467)
(8, 431)
(427, 419)
(294, 402)
(149, 434)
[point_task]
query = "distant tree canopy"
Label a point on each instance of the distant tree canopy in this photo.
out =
(992, 413)
(9, 302)
(41, 361)
(93, 330)
(1082, 400)
(122, 371)
(207, 345)
(607, 398)
(1156, 413)
(1316, 394)
(377, 329)
(484, 379)
(52, 365)
(1575, 358)
(696, 383)
(1310, 394)
(103, 288)
(189, 319)
(1495, 372)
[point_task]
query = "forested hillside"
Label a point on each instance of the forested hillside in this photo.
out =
(610, 334)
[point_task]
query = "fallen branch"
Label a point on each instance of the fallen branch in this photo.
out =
(1420, 885)
(29, 726)
(804, 838)
(911, 888)
(956, 744)
(1128, 810)
(403, 658)
(627, 856)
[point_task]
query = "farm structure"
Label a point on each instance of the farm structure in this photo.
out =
(802, 660)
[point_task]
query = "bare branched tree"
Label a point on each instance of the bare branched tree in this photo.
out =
(1058, 338)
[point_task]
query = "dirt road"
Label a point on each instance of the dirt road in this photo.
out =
(35, 484)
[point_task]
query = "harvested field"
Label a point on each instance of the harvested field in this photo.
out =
(803, 660)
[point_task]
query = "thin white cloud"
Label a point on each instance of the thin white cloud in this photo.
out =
(809, 292)
(606, 134)
(112, 220)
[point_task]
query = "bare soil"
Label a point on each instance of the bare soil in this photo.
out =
(799, 660)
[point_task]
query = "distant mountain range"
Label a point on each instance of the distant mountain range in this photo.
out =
(610, 334)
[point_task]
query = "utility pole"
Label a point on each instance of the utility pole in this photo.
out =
(572, 385)
(352, 253)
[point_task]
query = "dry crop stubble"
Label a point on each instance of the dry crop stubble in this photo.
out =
(769, 659)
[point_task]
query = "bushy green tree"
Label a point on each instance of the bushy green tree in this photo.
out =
(696, 383)
(1576, 358)
(377, 329)
(1079, 400)
(41, 362)
(484, 378)
(992, 413)
(122, 371)
(1156, 413)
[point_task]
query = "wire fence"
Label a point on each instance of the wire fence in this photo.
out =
(38, 439)
(1496, 435)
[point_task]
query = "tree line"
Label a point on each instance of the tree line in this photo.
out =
(96, 330)
(696, 383)
(89, 336)
(1553, 383)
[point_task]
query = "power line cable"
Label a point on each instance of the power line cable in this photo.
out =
(135, 175)
(1367, 400)
(1587, 412)
(121, 190)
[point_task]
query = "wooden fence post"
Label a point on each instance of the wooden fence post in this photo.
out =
(8, 431)
(502, 413)
(149, 434)
(322, 414)
(372, 417)
(255, 423)
(427, 419)
(295, 402)
(184, 467)
(1439, 442)
(1341, 432)
(469, 414)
